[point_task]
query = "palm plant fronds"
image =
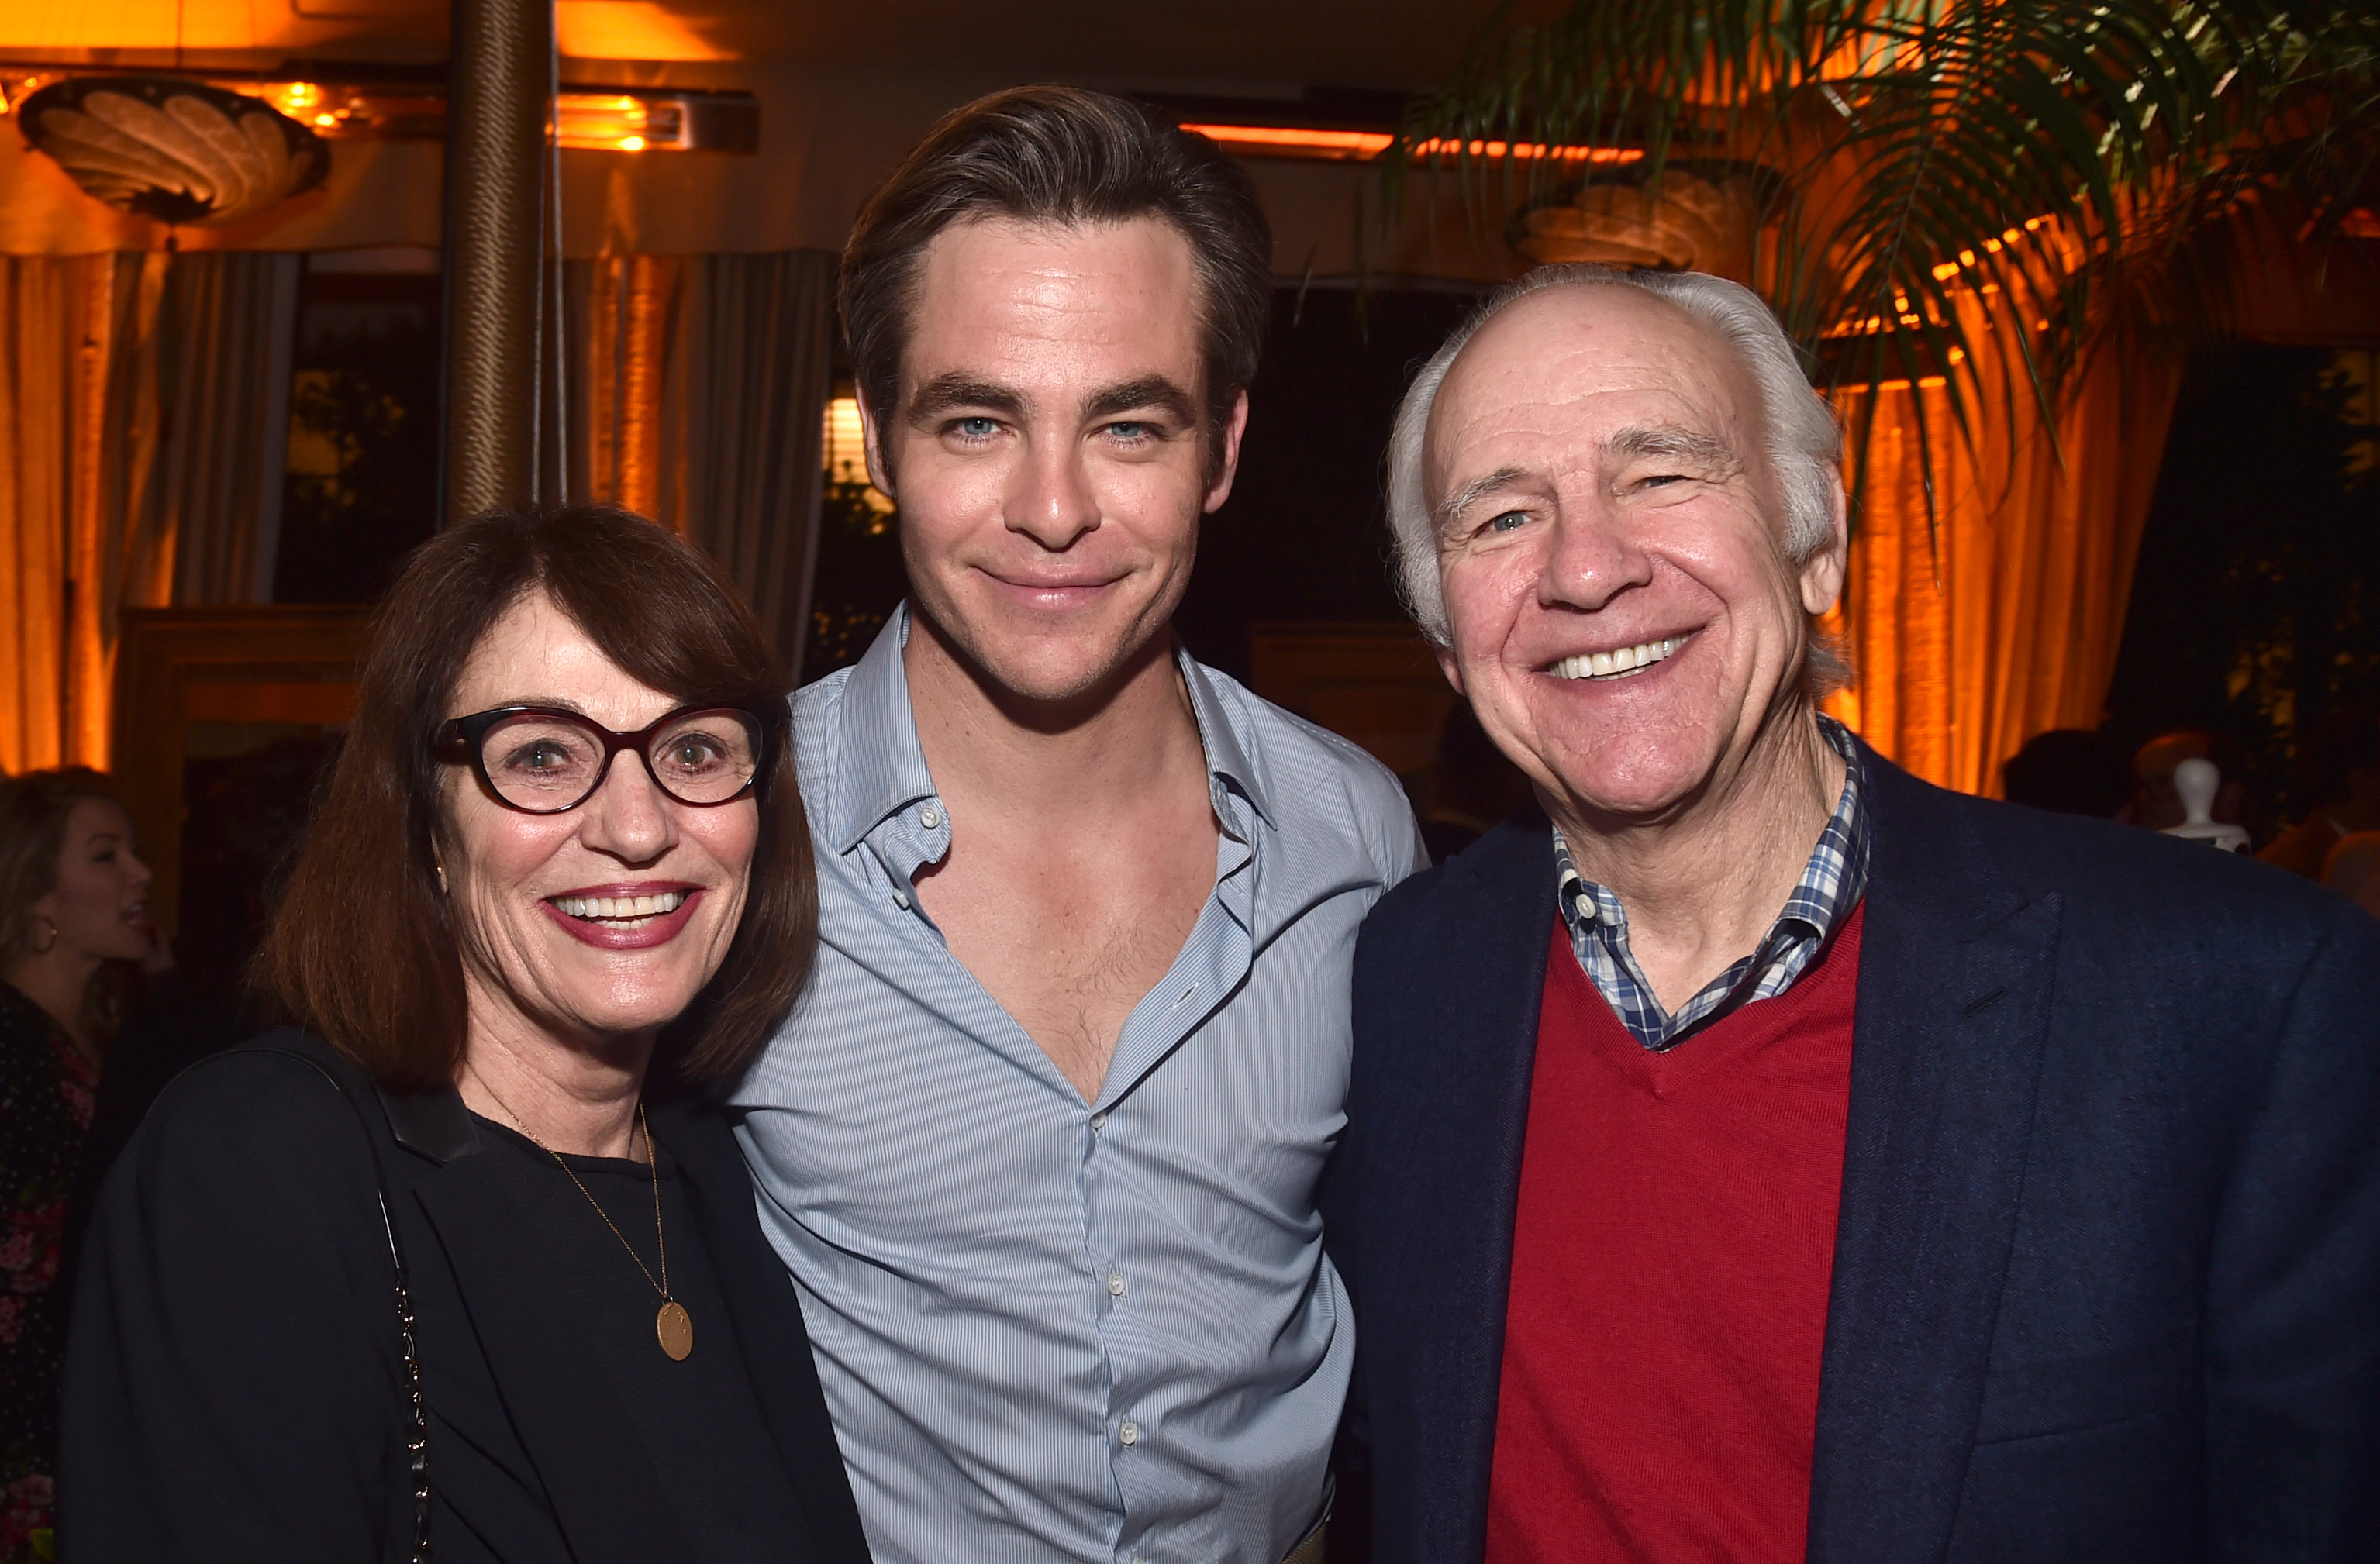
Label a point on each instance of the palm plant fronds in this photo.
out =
(1977, 189)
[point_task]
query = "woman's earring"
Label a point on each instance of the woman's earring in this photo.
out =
(441, 870)
(50, 944)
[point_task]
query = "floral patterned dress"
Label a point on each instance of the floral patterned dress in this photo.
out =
(45, 1101)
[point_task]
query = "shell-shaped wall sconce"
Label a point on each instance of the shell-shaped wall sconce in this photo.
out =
(177, 151)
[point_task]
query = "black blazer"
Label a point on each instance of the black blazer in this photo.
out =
(2106, 1278)
(193, 1433)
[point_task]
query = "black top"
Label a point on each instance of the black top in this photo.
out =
(233, 1383)
(46, 1096)
(699, 1421)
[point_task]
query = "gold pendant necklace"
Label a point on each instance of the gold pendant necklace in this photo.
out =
(672, 1326)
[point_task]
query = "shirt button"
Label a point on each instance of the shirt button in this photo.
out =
(1130, 1433)
(1098, 1120)
(1115, 1284)
(900, 900)
(929, 817)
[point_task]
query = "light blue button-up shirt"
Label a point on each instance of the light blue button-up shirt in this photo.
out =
(1051, 1328)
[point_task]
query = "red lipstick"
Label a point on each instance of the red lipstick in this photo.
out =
(659, 929)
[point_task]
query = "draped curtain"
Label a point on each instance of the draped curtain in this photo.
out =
(207, 412)
(143, 425)
(697, 388)
(1999, 614)
(55, 317)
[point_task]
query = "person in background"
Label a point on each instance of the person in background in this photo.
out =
(2070, 771)
(243, 826)
(2353, 869)
(470, 1265)
(74, 920)
(2340, 769)
(1039, 1146)
(1777, 1157)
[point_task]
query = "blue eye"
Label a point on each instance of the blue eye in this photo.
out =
(977, 429)
(1507, 522)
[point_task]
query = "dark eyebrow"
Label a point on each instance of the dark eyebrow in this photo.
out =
(1149, 391)
(949, 392)
(551, 702)
(1479, 489)
(1707, 451)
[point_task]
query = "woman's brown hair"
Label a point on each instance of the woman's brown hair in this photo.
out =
(364, 948)
(34, 808)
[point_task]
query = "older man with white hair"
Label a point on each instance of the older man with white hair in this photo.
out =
(1765, 1155)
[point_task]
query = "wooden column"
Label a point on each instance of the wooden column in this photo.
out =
(502, 52)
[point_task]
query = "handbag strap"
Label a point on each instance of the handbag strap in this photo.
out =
(417, 1440)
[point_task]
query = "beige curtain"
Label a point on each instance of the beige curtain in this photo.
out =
(2001, 616)
(204, 424)
(698, 389)
(143, 418)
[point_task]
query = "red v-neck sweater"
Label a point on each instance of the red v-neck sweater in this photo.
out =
(1670, 1259)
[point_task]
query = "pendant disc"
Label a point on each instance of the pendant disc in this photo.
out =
(675, 1330)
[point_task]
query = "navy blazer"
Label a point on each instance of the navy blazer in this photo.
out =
(2106, 1277)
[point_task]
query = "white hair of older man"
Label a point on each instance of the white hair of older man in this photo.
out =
(1805, 443)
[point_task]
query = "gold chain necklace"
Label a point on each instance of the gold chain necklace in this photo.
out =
(672, 1324)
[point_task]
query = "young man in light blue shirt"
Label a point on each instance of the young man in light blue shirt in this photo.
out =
(1040, 1144)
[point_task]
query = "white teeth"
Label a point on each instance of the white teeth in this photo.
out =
(630, 908)
(1627, 659)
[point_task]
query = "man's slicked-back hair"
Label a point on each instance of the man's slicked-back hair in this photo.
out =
(1069, 157)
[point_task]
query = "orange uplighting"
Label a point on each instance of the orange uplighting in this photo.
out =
(306, 102)
(1276, 140)
(1362, 146)
(1527, 150)
(630, 29)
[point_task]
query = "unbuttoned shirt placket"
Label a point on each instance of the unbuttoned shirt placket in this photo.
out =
(1213, 962)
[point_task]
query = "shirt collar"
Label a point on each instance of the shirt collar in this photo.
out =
(1831, 883)
(1228, 759)
(1836, 876)
(880, 767)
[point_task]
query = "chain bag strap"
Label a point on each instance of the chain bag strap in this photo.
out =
(416, 1440)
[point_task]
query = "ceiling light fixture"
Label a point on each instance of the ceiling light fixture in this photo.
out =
(645, 119)
(385, 107)
(176, 150)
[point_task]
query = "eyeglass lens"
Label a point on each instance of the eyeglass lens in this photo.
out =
(540, 762)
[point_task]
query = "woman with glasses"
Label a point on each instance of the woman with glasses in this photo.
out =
(470, 1262)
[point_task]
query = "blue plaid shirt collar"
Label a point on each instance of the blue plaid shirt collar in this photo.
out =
(1830, 888)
